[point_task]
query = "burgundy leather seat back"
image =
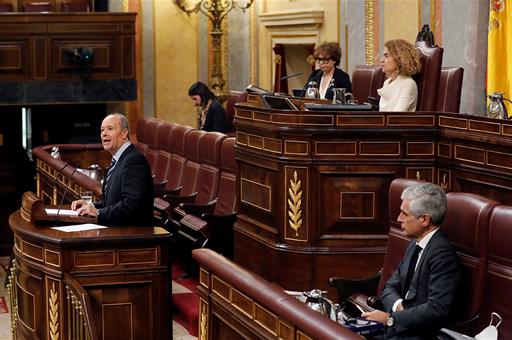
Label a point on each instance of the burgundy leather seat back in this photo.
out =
(208, 175)
(152, 128)
(233, 98)
(6, 7)
(226, 195)
(366, 79)
(37, 7)
(177, 149)
(142, 137)
(397, 240)
(76, 6)
(450, 89)
(191, 167)
(498, 289)
(163, 157)
(467, 226)
(428, 78)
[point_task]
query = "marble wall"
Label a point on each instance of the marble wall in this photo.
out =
(176, 46)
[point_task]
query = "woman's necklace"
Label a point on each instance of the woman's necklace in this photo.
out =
(204, 112)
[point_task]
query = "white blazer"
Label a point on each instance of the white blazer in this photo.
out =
(399, 95)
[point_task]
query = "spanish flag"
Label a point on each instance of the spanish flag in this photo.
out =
(499, 51)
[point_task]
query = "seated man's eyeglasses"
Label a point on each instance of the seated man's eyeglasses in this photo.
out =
(323, 60)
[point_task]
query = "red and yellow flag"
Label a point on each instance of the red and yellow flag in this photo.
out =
(499, 49)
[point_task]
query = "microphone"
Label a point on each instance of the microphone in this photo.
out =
(291, 75)
(63, 196)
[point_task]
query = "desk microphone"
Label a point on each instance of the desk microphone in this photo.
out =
(63, 196)
(291, 75)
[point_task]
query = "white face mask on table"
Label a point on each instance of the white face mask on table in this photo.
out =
(490, 332)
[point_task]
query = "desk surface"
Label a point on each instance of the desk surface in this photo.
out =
(110, 235)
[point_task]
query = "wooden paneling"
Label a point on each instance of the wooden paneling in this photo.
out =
(33, 46)
(338, 202)
(125, 278)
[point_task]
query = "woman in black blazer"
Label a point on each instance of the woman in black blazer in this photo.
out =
(213, 115)
(328, 76)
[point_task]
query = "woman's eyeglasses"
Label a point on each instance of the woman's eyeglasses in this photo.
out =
(324, 60)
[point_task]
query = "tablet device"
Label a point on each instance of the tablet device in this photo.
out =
(279, 103)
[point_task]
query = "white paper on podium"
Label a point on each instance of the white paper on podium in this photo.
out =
(79, 227)
(62, 212)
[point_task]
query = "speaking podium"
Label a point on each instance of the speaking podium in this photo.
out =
(110, 283)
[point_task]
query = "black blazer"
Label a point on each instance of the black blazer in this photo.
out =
(215, 118)
(128, 199)
(432, 299)
(339, 79)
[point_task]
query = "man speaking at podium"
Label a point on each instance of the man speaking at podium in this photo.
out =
(128, 186)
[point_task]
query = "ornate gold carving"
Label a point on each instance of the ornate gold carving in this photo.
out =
(204, 322)
(310, 60)
(418, 176)
(53, 313)
(295, 204)
(369, 24)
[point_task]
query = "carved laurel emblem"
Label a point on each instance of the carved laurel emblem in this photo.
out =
(204, 320)
(53, 313)
(295, 204)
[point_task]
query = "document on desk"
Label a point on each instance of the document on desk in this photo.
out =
(62, 212)
(79, 227)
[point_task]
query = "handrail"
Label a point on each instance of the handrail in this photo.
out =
(80, 323)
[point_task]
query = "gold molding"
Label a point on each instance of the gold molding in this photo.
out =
(379, 154)
(470, 128)
(269, 188)
(46, 251)
(33, 306)
(369, 30)
(354, 144)
(487, 152)
(420, 154)
(111, 252)
(53, 313)
(463, 120)
(295, 204)
(457, 147)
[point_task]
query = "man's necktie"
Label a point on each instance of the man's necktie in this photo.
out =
(412, 267)
(109, 172)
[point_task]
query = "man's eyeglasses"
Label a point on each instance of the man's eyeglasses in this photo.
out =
(324, 60)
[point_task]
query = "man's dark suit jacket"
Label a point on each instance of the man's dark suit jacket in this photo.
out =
(432, 298)
(340, 79)
(128, 199)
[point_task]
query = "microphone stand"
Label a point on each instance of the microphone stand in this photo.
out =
(63, 196)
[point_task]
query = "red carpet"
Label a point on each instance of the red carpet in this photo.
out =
(3, 306)
(185, 300)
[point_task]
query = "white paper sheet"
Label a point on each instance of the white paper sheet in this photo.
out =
(62, 212)
(79, 227)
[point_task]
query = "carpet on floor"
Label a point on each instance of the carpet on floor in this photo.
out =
(185, 300)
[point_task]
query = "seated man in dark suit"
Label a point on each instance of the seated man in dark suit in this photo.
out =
(420, 296)
(128, 186)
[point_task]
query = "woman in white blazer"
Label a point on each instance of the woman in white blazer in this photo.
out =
(400, 60)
